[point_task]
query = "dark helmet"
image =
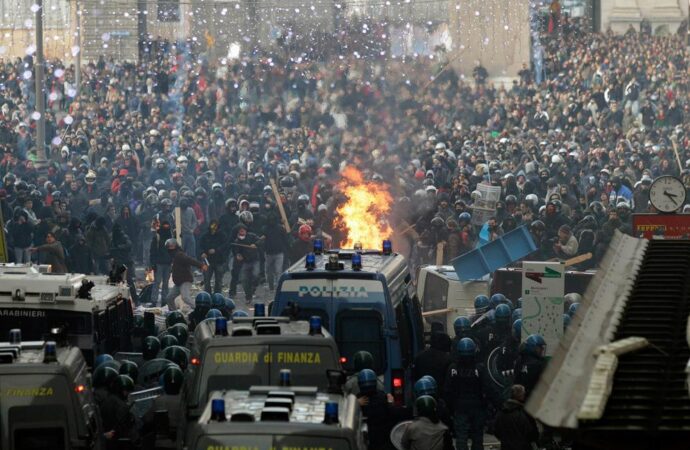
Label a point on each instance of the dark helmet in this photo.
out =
(129, 368)
(517, 314)
(173, 379)
(303, 199)
(517, 329)
(217, 301)
(180, 332)
(213, 313)
(200, 192)
(121, 384)
(566, 321)
(533, 343)
(171, 244)
(159, 184)
(426, 407)
(100, 359)
(466, 347)
(438, 222)
(151, 347)
(103, 376)
(178, 355)
(166, 201)
(573, 309)
(229, 305)
(168, 341)
(503, 313)
(537, 225)
(367, 380)
(240, 313)
(511, 200)
(287, 182)
(597, 208)
(461, 325)
(362, 360)
(423, 386)
(481, 302)
(518, 302)
(496, 300)
(174, 317)
(202, 300)
(465, 217)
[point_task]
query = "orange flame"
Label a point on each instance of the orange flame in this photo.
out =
(363, 217)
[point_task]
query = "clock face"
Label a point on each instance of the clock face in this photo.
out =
(667, 194)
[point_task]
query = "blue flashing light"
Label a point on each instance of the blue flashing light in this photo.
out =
(315, 325)
(387, 247)
(218, 410)
(285, 375)
(310, 261)
(318, 246)
(259, 310)
(15, 336)
(50, 352)
(331, 414)
(221, 326)
(356, 261)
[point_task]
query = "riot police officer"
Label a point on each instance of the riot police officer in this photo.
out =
(202, 303)
(360, 361)
(531, 362)
(118, 420)
(427, 432)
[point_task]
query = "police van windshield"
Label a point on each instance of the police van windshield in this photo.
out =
(243, 366)
(268, 442)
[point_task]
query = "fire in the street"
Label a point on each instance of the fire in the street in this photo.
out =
(364, 215)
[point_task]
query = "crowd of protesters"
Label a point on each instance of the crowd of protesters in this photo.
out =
(574, 156)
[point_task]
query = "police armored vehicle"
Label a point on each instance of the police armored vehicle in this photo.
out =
(251, 351)
(366, 300)
(272, 417)
(95, 315)
(45, 397)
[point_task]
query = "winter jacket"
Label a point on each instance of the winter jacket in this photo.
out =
(55, 256)
(20, 234)
(182, 268)
(99, 241)
(423, 434)
(217, 241)
(159, 253)
(514, 427)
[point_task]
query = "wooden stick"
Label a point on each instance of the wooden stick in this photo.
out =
(276, 194)
(439, 253)
(178, 225)
(674, 144)
(437, 312)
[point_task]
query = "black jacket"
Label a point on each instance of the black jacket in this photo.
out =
(514, 427)
(433, 361)
(159, 254)
(217, 241)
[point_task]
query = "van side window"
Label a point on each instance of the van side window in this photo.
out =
(435, 293)
(361, 329)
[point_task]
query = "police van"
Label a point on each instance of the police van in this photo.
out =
(366, 300)
(250, 351)
(45, 398)
(96, 318)
(272, 418)
(444, 297)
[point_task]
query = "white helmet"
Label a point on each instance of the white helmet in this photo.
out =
(181, 159)
(556, 159)
(125, 147)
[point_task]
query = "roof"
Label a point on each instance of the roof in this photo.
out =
(28, 357)
(276, 330)
(308, 407)
(373, 262)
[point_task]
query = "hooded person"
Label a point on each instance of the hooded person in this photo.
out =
(214, 249)
(435, 360)
(302, 245)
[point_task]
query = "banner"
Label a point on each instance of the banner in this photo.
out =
(485, 207)
(543, 288)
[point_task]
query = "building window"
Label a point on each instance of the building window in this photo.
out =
(169, 10)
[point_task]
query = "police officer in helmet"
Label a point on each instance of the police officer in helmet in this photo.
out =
(426, 432)
(360, 361)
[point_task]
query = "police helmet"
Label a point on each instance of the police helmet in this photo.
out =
(173, 379)
(424, 387)
(426, 407)
(366, 379)
(503, 313)
(129, 368)
(303, 199)
(213, 313)
(240, 313)
(518, 302)
(171, 244)
(566, 321)
(517, 314)
(481, 302)
(537, 225)
(461, 324)
(466, 347)
(511, 200)
(217, 301)
(229, 305)
(168, 341)
(180, 332)
(178, 355)
(362, 360)
(202, 300)
(151, 347)
(573, 309)
(533, 343)
(100, 359)
(231, 203)
(174, 317)
(431, 380)
(103, 376)
(496, 300)
(465, 217)
(122, 384)
(570, 298)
